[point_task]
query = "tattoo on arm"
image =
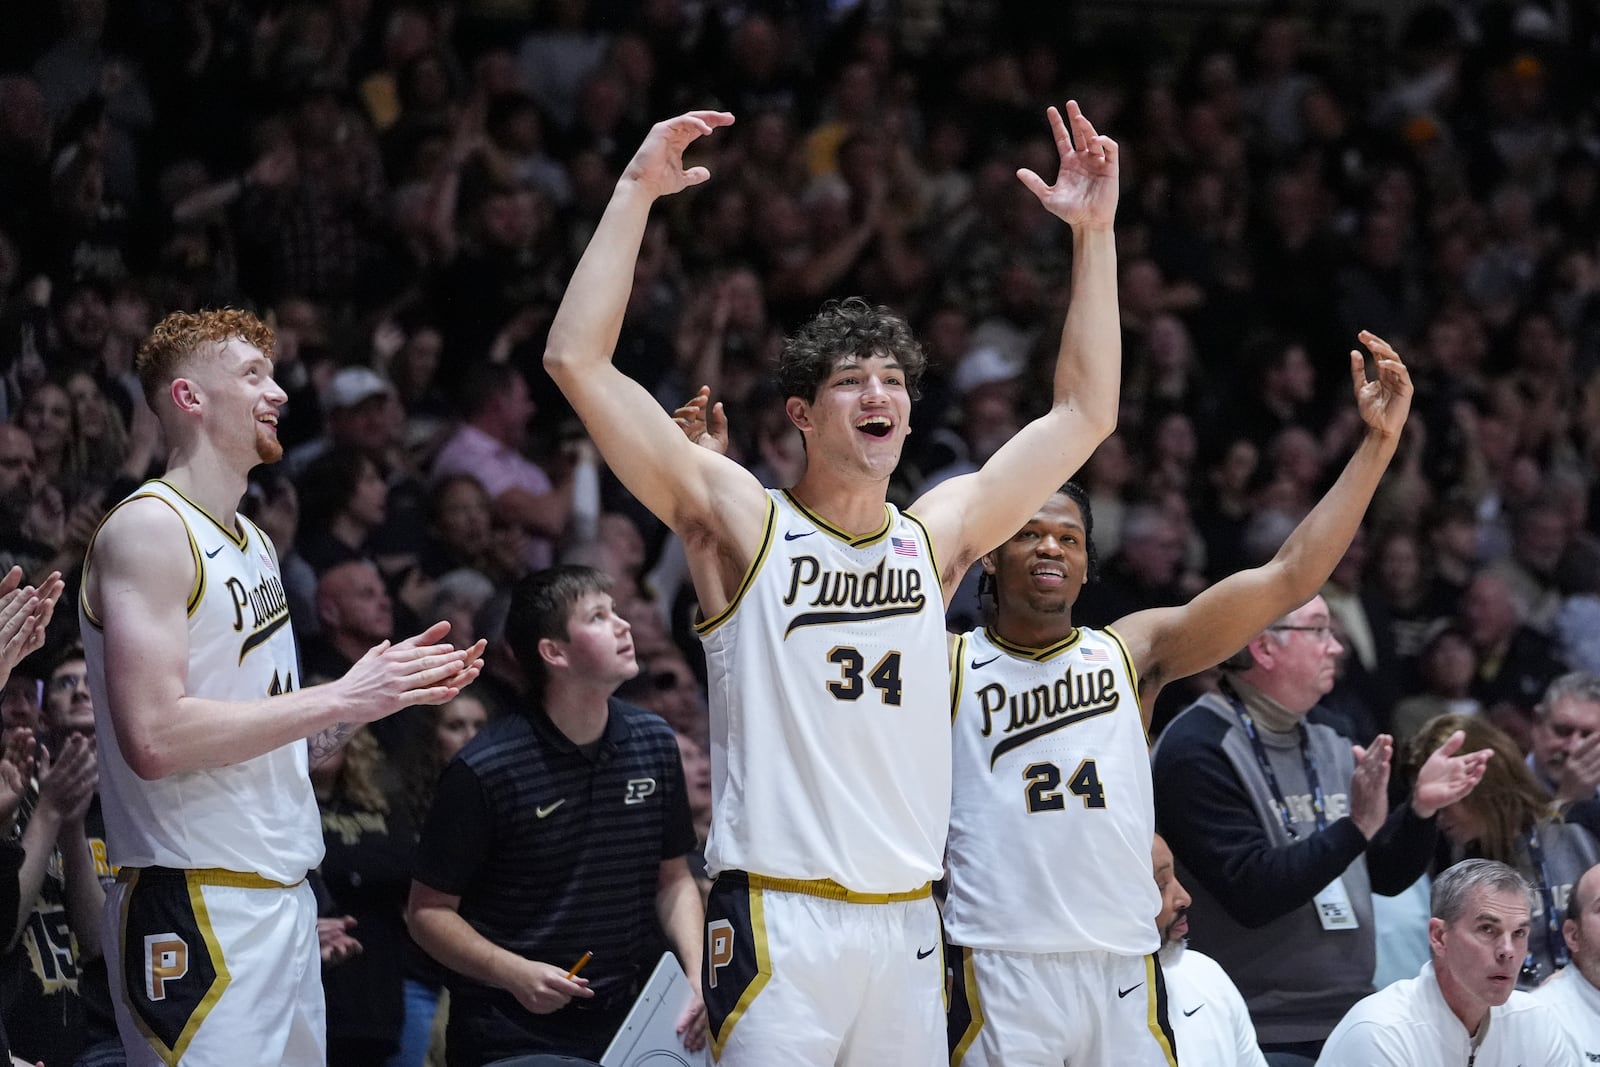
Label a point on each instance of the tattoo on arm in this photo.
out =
(330, 741)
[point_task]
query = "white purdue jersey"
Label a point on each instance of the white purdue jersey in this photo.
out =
(829, 690)
(1052, 814)
(257, 816)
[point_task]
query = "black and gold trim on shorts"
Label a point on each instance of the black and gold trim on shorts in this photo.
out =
(964, 1016)
(737, 964)
(173, 972)
(1160, 1027)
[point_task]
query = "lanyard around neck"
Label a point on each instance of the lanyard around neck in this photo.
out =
(1313, 782)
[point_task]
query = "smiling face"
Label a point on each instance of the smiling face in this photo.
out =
(860, 416)
(236, 390)
(1039, 573)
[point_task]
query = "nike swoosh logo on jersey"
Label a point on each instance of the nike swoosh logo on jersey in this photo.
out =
(213, 553)
(923, 954)
(979, 664)
(1124, 992)
(1189, 1013)
(790, 535)
(546, 809)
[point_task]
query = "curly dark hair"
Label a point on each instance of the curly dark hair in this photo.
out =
(182, 334)
(849, 327)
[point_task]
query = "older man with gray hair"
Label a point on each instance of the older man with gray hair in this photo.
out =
(1566, 737)
(1574, 992)
(1463, 1007)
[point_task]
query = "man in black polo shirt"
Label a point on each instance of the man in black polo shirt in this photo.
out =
(551, 836)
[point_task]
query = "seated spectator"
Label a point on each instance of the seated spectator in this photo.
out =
(1464, 1006)
(343, 501)
(1224, 1036)
(354, 612)
(1449, 664)
(1515, 662)
(457, 598)
(495, 399)
(1566, 738)
(1512, 819)
(369, 838)
(1574, 991)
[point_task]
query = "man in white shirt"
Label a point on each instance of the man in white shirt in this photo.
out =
(1463, 1007)
(1574, 992)
(1207, 1013)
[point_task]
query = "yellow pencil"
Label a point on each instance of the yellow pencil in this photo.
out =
(583, 961)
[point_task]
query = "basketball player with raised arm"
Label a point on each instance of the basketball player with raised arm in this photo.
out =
(1050, 894)
(205, 742)
(822, 609)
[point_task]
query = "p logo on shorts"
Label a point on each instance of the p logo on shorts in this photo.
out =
(166, 959)
(719, 948)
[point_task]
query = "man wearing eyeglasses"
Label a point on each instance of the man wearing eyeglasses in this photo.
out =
(1282, 831)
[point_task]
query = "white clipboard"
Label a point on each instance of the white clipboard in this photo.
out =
(648, 1037)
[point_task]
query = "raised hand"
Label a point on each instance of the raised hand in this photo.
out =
(657, 167)
(1384, 402)
(1446, 777)
(1369, 786)
(1085, 190)
(704, 423)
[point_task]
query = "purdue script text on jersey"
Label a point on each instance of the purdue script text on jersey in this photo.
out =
(881, 593)
(259, 815)
(828, 680)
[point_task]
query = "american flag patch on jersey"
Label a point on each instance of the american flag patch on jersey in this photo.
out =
(905, 546)
(1095, 655)
(267, 560)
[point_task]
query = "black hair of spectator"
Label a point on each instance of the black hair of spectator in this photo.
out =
(329, 483)
(541, 604)
(849, 328)
(481, 384)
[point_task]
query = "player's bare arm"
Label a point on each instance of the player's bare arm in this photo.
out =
(716, 506)
(1168, 643)
(138, 587)
(970, 515)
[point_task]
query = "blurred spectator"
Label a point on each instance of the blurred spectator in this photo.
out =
(1515, 662)
(1511, 818)
(354, 612)
(1566, 738)
(1146, 572)
(1449, 664)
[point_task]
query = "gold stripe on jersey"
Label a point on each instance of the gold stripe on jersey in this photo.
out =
(1160, 1028)
(958, 651)
(758, 929)
(974, 1009)
(1039, 655)
(195, 592)
(828, 889)
(705, 626)
(1127, 657)
(840, 535)
(237, 540)
(927, 539)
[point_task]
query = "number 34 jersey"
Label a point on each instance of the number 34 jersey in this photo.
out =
(1052, 815)
(829, 690)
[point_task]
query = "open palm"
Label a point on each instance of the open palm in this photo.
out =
(1085, 190)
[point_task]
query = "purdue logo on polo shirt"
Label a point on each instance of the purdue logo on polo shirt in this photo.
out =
(638, 790)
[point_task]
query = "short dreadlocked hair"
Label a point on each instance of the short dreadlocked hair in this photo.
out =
(849, 328)
(1079, 496)
(183, 335)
